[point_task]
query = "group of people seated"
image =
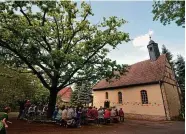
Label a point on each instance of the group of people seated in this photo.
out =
(82, 115)
(28, 110)
(73, 116)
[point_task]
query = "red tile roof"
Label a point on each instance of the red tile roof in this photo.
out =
(139, 73)
(65, 94)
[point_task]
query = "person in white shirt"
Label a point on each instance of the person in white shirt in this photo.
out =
(70, 113)
(113, 112)
(100, 115)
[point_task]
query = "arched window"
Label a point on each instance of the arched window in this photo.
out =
(144, 97)
(120, 97)
(106, 95)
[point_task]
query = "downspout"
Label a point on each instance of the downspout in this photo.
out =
(163, 101)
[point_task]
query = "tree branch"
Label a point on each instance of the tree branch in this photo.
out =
(43, 22)
(45, 69)
(45, 40)
(42, 45)
(29, 22)
(48, 45)
(6, 45)
(57, 28)
(75, 32)
(85, 62)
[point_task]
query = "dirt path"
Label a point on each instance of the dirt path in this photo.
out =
(129, 127)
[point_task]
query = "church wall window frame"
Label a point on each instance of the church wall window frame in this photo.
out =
(106, 95)
(120, 98)
(144, 97)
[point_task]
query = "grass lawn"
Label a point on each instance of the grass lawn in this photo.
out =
(11, 115)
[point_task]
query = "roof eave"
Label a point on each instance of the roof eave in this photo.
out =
(124, 86)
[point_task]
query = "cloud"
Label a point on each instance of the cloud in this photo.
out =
(137, 51)
(142, 40)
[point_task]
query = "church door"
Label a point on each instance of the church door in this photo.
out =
(107, 104)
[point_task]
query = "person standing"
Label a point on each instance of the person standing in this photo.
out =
(55, 112)
(107, 115)
(78, 116)
(59, 115)
(113, 115)
(83, 116)
(21, 109)
(121, 115)
(100, 115)
(27, 105)
(70, 113)
(4, 120)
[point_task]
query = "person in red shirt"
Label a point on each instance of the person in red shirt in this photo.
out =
(27, 105)
(107, 115)
(95, 113)
(121, 115)
(89, 112)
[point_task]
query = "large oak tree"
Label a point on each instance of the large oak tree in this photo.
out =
(56, 41)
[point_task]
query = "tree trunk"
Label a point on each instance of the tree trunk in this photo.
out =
(52, 102)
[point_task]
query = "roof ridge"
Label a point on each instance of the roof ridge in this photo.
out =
(65, 91)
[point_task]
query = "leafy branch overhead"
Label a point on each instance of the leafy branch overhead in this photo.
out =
(57, 42)
(167, 11)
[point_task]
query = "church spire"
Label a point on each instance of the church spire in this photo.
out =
(153, 50)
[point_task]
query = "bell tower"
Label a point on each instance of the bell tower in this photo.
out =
(153, 49)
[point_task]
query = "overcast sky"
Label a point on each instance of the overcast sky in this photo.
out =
(140, 25)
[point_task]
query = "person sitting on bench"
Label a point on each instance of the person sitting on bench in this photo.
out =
(64, 116)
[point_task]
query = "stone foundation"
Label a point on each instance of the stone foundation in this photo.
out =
(144, 117)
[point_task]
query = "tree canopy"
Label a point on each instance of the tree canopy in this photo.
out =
(168, 54)
(15, 86)
(180, 71)
(168, 11)
(56, 41)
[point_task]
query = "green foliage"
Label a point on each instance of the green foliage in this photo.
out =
(41, 94)
(180, 76)
(15, 86)
(180, 71)
(82, 95)
(167, 11)
(58, 43)
(168, 54)
(74, 98)
(84, 92)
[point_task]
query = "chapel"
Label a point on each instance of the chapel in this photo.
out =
(148, 90)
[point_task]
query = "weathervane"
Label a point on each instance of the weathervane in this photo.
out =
(150, 37)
